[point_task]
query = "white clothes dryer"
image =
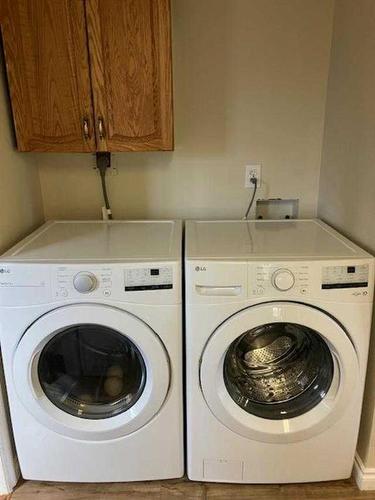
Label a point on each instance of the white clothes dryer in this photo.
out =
(278, 317)
(91, 335)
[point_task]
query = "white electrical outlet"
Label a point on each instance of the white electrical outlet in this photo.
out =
(253, 171)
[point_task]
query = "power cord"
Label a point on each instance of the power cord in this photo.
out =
(103, 162)
(254, 181)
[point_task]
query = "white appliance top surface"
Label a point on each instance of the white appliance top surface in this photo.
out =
(100, 241)
(277, 240)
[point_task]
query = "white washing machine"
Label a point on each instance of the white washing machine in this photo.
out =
(278, 325)
(91, 335)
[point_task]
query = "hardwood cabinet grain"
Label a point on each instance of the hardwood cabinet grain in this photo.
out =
(45, 47)
(130, 54)
(89, 75)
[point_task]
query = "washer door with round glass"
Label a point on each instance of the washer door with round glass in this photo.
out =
(279, 372)
(91, 372)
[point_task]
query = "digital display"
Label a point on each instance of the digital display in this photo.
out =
(336, 277)
(148, 278)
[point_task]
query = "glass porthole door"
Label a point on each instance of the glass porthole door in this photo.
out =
(91, 371)
(279, 372)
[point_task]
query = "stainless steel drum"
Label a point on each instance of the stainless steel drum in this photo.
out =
(278, 370)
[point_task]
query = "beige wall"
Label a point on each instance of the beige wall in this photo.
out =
(250, 81)
(20, 194)
(347, 182)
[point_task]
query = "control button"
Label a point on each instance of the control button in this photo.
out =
(283, 280)
(107, 292)
(63, 292)
(304, 291)
(85, 282)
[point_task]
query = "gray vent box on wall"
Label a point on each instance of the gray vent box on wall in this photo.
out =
(277, 208)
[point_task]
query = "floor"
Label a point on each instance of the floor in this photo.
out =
(187, 490)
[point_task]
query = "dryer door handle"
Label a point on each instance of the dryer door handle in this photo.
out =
(219, 291)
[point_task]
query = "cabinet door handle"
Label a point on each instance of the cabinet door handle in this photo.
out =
(86, 129)
(101, 128)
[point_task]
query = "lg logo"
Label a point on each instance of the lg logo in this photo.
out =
(4, 270)
(200, 268)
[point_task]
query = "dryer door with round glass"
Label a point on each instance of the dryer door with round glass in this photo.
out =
(91, 371)
(279, 372)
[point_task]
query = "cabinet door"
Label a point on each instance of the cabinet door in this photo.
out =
(131, 72)
(45, 44)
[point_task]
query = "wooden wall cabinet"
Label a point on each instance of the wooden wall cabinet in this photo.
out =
(89, 75)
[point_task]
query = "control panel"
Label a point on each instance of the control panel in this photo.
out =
(268, 279)
(148, 278)
(334, 277)
(96, 281)
(73, 281)
(216, 282)
(157, 283)
(315, 279)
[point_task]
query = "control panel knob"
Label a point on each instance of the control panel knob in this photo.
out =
(283, 280)
(85, 282)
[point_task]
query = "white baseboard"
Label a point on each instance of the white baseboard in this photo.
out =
(364, 476)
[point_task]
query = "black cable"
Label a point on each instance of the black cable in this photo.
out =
(103, 162)
(254, 181)
(105, 194)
